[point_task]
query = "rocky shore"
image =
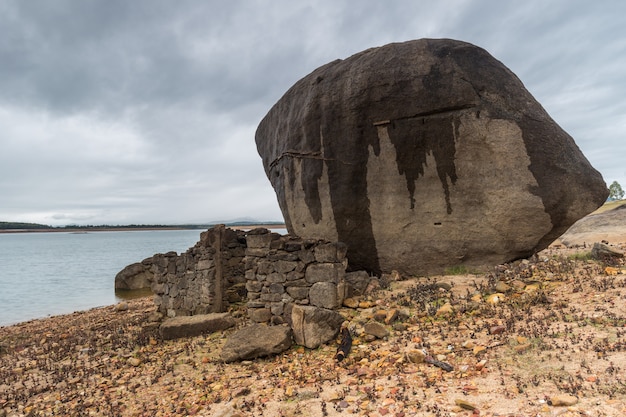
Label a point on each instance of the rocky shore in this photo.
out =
(538, 337)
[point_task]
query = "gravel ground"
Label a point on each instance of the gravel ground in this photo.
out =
(542, 337)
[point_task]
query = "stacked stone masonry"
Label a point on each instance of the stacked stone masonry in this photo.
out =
(282, 271)
(186, 284)
(271, 271)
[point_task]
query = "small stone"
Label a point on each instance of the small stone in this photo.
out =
(497, 329)
(563, 400)
(366, 304)
(416, 356)
(468, 344)
(260, 315)
(123, 306)
(376, 329)
(534, 287)
(380, 315)
(479, 349)
(351, 302)
(134, 361)
(476, 298)
(392, 315)
(518, 285)
(466, 405)
(522, 348)
(495, 298)
(400, 327)
(611, 271)
(502, 286)
(445, 310)
(289, 391)
(480, 365)
(369, 338)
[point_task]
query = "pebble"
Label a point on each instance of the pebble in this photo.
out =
(445, 310)
(563, 400)
(380, 315)
(134, 361)
(479, 349)
(522, 348)
(392, 315)
(502, 286)
(123, 306)
(376, 329)
(466, 405)
(400, 327)
(351, 303)
(416, 356)
(497, 329)
(495, 298)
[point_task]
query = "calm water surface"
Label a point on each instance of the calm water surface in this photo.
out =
(45, 274)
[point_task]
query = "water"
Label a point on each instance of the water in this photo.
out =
(46, 274)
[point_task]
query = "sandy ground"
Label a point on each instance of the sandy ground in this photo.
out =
(553, 334)
(539, 337)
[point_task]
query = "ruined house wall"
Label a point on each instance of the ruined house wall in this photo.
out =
(271, 271)
(186, 284)
(282, 271)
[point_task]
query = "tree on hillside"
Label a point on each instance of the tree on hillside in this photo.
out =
(615, 191)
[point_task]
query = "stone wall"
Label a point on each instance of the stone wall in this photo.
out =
(282, 271)
(271, 271)
(205, 279)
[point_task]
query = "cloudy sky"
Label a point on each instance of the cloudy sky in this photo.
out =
(144, 111)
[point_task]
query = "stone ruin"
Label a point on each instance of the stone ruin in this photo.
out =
(282, 279)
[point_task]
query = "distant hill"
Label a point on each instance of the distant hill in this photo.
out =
(17, 225)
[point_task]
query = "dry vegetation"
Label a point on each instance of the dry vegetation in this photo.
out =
(521, 340)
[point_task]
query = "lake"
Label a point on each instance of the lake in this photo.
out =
(46, 274)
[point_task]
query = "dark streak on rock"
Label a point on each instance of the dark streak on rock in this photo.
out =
(414, 140)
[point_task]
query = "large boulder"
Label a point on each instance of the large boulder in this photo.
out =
(423, 155)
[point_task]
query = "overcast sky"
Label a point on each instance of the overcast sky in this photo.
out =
(144, 111)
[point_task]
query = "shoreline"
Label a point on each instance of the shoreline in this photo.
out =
(134, 229)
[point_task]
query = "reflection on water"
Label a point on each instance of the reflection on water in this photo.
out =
(121, 295)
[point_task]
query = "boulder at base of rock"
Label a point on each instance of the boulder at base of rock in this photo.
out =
(602, 251)
(189, 326)
(314, 326)
(256, 341)
(424, 155)
(135, 276)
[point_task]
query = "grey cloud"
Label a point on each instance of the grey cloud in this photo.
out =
(145, 111)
